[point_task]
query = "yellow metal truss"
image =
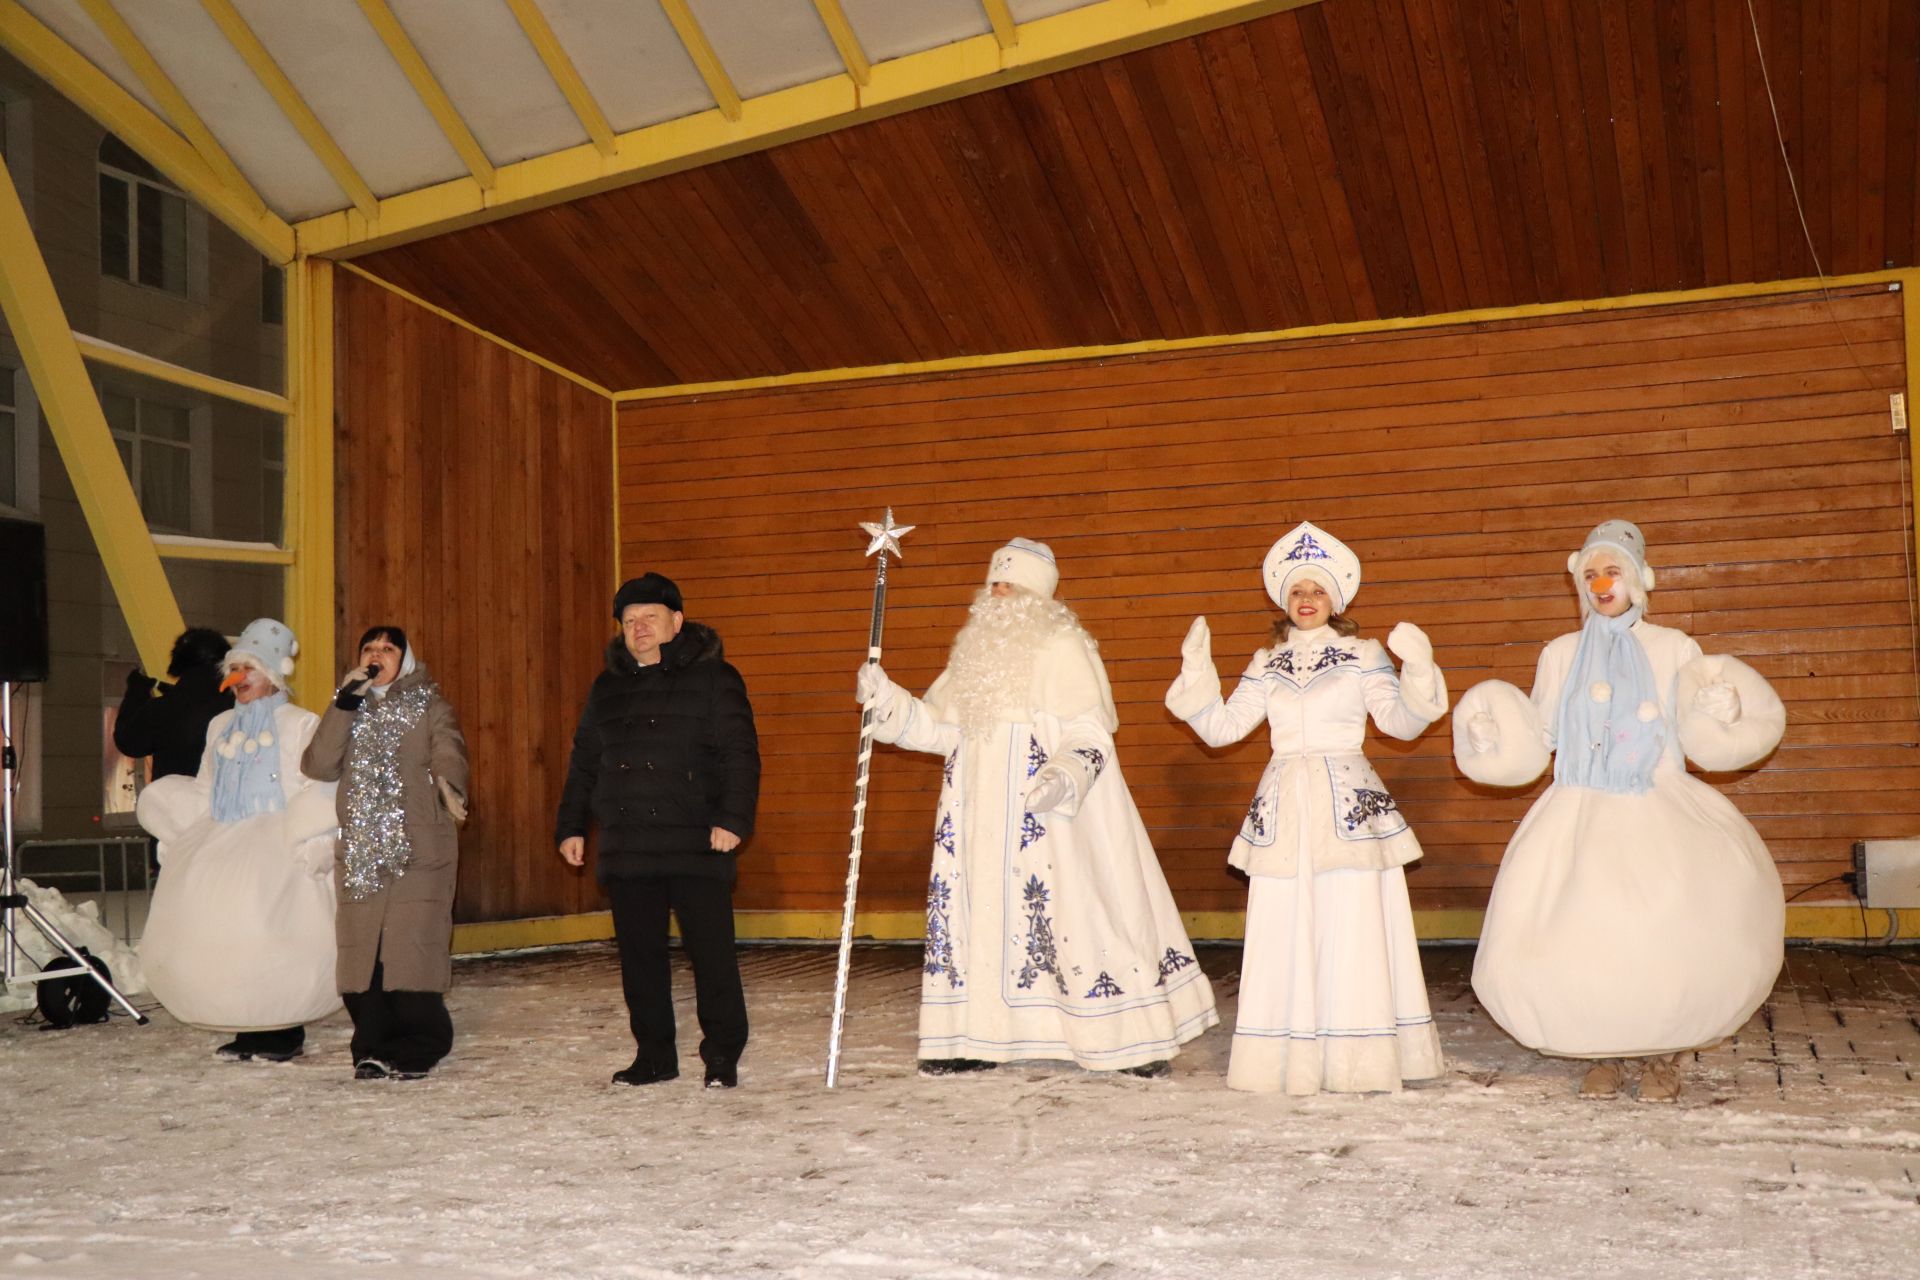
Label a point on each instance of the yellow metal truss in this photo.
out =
(427, 87)
(553, 56)
(705, 60)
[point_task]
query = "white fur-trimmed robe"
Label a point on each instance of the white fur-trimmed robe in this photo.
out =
(1049, 935)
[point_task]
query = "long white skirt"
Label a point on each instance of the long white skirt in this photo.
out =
(1331, 992)
(1630, 925)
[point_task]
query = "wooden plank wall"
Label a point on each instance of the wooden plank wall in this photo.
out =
(1750, 439)
(474, 509)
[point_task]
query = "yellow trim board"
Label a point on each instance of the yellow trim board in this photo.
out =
(707, 62)
(1804, 923)
(1905, 279)
(473, 328)
(1104, 29)
(427, 87)
(308, 503)
(566, 77)
(853, 55)
(90, 89)
(101, 351)
(171, 548)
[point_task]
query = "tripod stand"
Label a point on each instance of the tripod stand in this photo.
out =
(14, 903)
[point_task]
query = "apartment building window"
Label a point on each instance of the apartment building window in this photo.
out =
(273, 484)
(143, 221)
(156, 444)
(9, 438)
(273, 293)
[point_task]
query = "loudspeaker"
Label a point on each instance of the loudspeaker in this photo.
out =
(23, 601)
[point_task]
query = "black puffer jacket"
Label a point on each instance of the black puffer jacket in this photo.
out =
(664, 754)
(171, 728)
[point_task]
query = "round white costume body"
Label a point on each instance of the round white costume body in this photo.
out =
(240, 935)
(1629, 925)
(1050, 934)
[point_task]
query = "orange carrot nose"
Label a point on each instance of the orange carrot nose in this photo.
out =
(1601, 586)
(235, 678)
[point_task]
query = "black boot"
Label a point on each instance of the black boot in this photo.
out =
(1150, 1070)
(953, 1066)
(269, 1046)
(644, 1072)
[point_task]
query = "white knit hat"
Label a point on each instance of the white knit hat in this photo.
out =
(1625, 537)
(268, 645)
(1311, 552)
(1026, 563)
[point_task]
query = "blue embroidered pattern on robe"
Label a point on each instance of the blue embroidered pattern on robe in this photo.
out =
(1105, 989)
(1036, 757)
(1367, 804)
(1030, 830)
(1171, 963)
(1282, 660)
(1096, 760)
(946, 770)
(1331, 657)
(939, 956)
(1042, 957)
(943, 834)
(1257, 815)
(1308, 549)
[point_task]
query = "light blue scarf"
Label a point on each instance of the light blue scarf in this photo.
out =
(249, 783)
(1606, 745)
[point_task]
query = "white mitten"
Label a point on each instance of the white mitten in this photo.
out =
(1410, 644)
(1048, 791)
(1721, 701)
(1198, 684)
(870, 682)
(1497, 739)
(1422, 687)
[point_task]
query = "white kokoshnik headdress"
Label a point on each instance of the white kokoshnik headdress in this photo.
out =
(1625, 537)
(1026, 563)
(1312, 552)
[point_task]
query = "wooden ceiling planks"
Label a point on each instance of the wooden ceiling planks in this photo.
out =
(1350, 160)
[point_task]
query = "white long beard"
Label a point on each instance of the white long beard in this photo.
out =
(990, 670)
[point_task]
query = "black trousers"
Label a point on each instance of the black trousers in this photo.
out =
(407, 1030)
(705, 910)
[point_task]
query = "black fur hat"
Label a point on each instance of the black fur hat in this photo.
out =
(196, 647)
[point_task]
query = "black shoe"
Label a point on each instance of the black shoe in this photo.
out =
(1150, 1070)
(369, 1069)
(277, 1055)
(953, 1066)
(644, 1073)
(231, 1051)
(727, 1077)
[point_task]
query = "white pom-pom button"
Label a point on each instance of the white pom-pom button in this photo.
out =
(251, 746)
(1648, 712)
(226, 750)
(266, 739)
(1600, 691)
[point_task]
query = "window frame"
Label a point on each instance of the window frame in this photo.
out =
(133, 183)
(199, 461)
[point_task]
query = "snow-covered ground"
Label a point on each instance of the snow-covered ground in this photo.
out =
(130, 1152)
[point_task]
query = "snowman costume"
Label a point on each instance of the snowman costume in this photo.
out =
(1051, 932)
(1331, 991)
(1636, 912)
(240, 934)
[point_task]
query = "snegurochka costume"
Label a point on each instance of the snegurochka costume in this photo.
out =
(1636, 912)
(1051, 932)
(240, 933)
(1331, 992)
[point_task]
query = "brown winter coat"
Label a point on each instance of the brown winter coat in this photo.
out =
(408, 925)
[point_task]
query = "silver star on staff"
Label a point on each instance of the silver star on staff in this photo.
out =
(886, 535)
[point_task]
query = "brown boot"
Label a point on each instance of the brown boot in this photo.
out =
(1660, 1081)
(1604, 1079)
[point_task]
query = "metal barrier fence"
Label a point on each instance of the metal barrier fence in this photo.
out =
(123, 899)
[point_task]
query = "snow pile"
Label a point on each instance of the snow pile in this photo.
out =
(80, 924)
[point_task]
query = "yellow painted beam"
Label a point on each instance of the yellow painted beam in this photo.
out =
(554, 56)
(40, 330)
(1908, 280)
(427, 86)
(291, 104)
(309, 498)
(94, 92)
(171, 100)
(1005, 29)
(708, 63)
(845, 39)
(171, 547)
(102, 352)
(1104, 29)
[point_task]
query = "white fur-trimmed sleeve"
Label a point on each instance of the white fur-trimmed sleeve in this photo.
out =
(1759, 723)
(1518, 753)
(1222, 722)
(911, 723)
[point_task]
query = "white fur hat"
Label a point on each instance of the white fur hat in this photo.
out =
(1625, 537)
(1312, 552)
(1026, 563)
(268, 645)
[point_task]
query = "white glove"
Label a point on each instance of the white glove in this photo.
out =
(869, 682)
(1048, 790)
(1721, 701)
(1483, 732)
(1196, 651)
(456, 807)
(1410, 644)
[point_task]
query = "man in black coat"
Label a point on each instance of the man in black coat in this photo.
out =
(667, 763)
(172, 728)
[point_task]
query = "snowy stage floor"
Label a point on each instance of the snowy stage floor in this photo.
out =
(129, 1152)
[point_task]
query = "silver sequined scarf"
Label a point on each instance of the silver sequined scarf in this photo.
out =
(375, 833)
